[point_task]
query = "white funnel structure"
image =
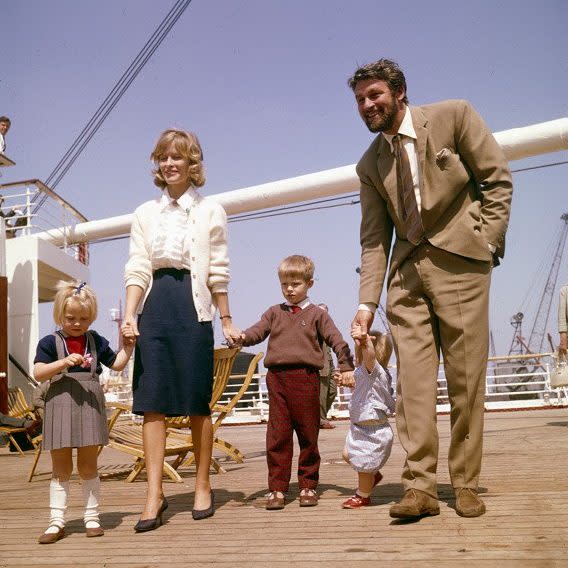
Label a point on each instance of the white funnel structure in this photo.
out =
(517, 143)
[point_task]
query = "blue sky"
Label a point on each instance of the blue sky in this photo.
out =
(263, 84)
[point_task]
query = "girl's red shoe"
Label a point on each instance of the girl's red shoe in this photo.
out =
(356, 501)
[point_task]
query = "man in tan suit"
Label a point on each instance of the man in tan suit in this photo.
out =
(437, 177)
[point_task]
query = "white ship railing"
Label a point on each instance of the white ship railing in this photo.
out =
(528, 388)
(30, 207)
(512, 383)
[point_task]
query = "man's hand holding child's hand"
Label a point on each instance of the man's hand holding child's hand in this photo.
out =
(358, 335)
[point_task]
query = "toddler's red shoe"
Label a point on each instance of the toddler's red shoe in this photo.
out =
(356, 501)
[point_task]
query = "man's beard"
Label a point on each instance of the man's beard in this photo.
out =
(383, 123)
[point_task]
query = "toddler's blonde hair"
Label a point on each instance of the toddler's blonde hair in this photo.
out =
(383, 348)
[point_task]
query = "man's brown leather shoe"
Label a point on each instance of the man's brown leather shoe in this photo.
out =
(468, 503)
(415, 504)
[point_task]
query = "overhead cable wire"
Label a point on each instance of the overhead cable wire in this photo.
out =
(114, 97)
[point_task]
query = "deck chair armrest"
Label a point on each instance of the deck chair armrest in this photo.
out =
(117, 408)
(119, 405)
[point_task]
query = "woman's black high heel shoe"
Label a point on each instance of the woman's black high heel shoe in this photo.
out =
(151, 524)
(200, 514)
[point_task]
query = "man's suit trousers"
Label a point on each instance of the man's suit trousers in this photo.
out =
(439, 302)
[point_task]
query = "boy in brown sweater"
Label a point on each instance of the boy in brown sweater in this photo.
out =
(294, 357)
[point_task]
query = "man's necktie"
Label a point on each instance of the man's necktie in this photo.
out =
(295, 309)
(406, 195)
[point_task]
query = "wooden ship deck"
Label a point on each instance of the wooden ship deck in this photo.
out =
(524, 482)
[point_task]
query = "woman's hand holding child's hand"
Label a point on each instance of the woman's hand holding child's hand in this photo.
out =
(129, 328)
(232, 334)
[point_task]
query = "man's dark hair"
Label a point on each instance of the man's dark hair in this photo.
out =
(384, 70)
(5, 119)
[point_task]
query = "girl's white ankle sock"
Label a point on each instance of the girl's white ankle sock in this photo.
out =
(58, 496)
(91, 494)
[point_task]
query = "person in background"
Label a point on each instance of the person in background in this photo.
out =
(176, 278)
(563, 321)
(328, 387)
(5, 124)
(435, 176)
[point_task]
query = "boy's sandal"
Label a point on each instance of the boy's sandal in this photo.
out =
(308, 498)
(273, 502)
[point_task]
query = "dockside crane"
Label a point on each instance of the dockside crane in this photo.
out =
(538, 332)
(535, 343)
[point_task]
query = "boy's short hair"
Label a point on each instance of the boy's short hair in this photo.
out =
(383, 348)
(77, 292)
(297, 266)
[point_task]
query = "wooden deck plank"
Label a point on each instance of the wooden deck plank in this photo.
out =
(523, 480)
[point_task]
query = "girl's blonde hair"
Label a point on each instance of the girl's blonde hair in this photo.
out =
(187, 144)
(77, 292)
(383, 348)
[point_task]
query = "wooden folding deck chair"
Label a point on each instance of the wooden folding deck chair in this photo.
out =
(126, 435)
(18, 407)
(220, 412)
(224, 410)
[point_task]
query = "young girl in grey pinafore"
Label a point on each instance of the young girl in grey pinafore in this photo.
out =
(74, 417)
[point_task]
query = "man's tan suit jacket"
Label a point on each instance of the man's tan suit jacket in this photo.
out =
(466, 191)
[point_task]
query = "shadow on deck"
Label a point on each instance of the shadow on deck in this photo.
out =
(524, 482)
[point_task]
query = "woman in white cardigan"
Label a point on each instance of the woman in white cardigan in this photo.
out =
(176, 277)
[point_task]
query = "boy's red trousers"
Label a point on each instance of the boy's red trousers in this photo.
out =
(294, 407)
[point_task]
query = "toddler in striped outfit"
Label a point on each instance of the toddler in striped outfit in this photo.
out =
(369, 441)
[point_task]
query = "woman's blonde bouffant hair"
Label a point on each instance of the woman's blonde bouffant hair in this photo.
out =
(383, 348)
(187, 144)
(77, 292)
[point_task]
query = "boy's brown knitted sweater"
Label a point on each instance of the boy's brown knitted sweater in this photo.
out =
(295, 338)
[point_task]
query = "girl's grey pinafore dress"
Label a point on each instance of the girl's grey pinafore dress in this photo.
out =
(75, 406)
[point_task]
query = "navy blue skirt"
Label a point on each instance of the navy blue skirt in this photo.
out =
(173, 360)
